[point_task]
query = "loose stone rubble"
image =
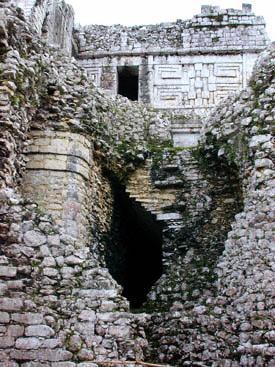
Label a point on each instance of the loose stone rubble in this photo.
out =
(65, 145)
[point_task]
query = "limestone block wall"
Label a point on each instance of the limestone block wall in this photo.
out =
(57, 178)
(183, 83)
(187, 66)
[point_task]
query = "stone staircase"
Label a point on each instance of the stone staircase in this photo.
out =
(142, 189)
(159, 191)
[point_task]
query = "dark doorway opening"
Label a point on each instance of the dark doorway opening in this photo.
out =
(128, 82)
(134, 253)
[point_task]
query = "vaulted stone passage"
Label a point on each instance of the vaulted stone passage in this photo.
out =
(128, 82)
(134, 252)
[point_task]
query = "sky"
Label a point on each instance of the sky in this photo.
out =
(129, 12)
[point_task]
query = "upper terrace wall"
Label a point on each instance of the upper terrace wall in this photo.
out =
(185, 66)
(213, 30)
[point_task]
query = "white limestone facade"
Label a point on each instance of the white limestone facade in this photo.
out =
(186, 66)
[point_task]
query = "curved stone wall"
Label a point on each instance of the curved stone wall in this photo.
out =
(58, 178)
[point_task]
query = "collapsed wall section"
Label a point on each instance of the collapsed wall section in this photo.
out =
(52, 19)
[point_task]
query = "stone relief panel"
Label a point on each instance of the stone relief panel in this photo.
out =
(95, 74)
(187, 83)
(195, 85)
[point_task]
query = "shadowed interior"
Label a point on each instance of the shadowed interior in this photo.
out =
(128, 82)
(134, 254)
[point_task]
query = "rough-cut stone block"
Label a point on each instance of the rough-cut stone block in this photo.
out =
(85, 328)
(119, 331)
(15, 284)
(34, 239)
(27, 343)
(51, 343)
(50, 272)
(35, 364)
(4, 318)
(86, 355)
(87, 315)
(54, 240)
(15, 330)
(39, 330)
(29, 318)
(55, 355)
(6, 342)
(4, 357)
(11, 304)
(73, 260)
(23, 355)
(8, 271)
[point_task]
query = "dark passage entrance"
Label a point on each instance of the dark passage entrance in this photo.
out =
(134, 254)
(128, 82)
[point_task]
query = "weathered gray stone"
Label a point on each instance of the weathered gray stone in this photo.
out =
(23, 355)
(28, 318)
(15, 331)
(39, 330)
(87, 315)
(4, 318)
(55, 355)
(27, 343)
(8, 271)
(34, 238)
(11, 304)
(6, 342)
(51, 343)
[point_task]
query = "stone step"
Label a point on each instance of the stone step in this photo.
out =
(146, 200)
(154, 197)
(143, 195)
(168, 183)
(169, 216)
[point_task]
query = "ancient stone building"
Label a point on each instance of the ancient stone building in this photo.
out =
(135, 231)
(189, 65)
